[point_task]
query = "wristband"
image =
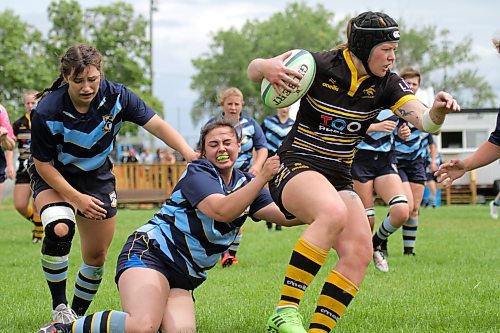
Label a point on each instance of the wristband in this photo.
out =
(428, 125)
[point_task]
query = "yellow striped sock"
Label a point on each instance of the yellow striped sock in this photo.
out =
(305, 262)
(336, 295)
(29, 213)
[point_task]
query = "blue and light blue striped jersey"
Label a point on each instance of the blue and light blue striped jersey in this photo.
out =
(275, 131)
(412, 148)
(381, 141)
(251, 137)
(181, 227)
(76, 142)
(427, 141)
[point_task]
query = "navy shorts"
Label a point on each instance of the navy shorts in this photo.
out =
(140, 251)
(100, 184)
(412, 171)
(293, 164)
(368, 165)
(3, 165)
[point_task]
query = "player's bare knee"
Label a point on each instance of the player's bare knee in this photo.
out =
(96, 258)
(58, 220)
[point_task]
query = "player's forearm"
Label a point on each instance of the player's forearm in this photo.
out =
(485, 154)
(233, 205)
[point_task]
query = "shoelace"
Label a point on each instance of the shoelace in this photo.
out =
(292, 317)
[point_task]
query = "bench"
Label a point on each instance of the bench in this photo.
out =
(146, 184)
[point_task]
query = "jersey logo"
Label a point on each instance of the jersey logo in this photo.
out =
(369, 92)
(108, 123)
(331, 85)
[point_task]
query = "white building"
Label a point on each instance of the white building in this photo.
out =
(462, 133)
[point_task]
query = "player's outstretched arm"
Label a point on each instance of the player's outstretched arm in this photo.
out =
(454, 169)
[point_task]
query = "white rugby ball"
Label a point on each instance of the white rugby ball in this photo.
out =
(303, 62)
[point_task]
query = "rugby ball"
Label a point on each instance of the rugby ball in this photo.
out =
(303, 62)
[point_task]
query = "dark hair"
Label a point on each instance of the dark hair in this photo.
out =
(410, 72)
(76, 58)
(219, 122)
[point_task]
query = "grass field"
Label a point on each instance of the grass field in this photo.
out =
(452, 285)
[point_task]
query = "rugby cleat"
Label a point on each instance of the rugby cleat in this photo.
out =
(285, 320)
(228, 260)
(379, 261)
(493, 210)
(50, 328)
(64, 314)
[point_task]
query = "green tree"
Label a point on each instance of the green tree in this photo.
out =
(313, 28)
(23, 63)
(67, 27)
(118, 33)
(121, 37)
(443, 64)
(299, 26)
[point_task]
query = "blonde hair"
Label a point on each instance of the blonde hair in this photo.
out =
(29, 93)
(232, 91)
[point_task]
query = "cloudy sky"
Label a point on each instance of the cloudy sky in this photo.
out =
(182, 31)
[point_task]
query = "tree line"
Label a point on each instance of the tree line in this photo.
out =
(29, 60)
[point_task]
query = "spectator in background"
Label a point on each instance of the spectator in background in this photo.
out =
(275, 128)
(147, 157)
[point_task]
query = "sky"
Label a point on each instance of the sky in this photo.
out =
(182, 30)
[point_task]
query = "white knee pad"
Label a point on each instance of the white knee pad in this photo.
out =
(398, 199)
(56, 212)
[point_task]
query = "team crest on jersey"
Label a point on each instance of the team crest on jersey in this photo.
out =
(369, 92)
(108, 123)
(112, 198)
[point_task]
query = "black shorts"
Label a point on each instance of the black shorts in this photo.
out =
(293, 164)
(22, 175)
(368, 165)
(100, 184)
(412, 171)
(3, 165)
(140, 251)
(430, 177)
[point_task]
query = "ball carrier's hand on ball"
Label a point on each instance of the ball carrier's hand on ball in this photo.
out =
(285, 78)
(280, 76)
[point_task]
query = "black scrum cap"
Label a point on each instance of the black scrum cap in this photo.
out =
(368, 30)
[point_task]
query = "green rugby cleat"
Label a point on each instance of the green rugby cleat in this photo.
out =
(285, 320)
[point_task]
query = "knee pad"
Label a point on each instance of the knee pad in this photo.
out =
(370, 212)
(53, 214)
(398, 199)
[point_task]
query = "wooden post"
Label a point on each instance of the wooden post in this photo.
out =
(473, 186)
